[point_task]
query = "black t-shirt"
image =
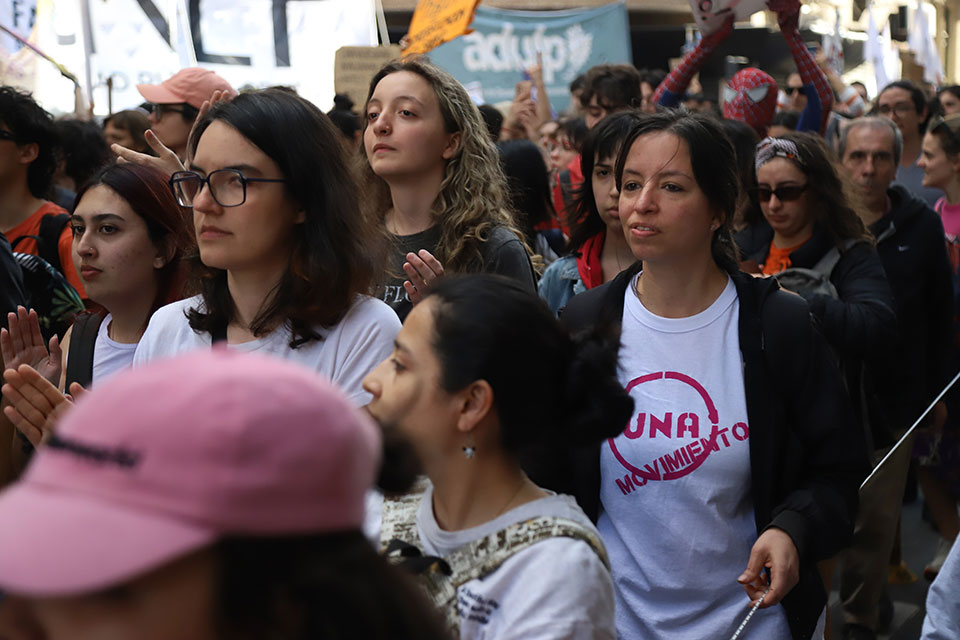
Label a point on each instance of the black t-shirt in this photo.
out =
(11, 281)
(503, 253)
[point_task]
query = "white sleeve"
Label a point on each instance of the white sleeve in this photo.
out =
(943, 604)
(557, 589)
(366, 341)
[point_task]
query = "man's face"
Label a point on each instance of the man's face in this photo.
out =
(869, 161)
(796, 93)
(897, 104)
(596, 110)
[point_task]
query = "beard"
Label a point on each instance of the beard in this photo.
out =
(400, 466)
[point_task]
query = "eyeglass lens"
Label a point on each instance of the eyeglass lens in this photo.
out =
(787, 193)
(226, 186)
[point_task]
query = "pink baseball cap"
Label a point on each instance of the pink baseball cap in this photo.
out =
(165, 460)
(192, 85)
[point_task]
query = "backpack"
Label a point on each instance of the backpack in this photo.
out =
(816, 280)
(442, 577)
(45, 285)
(83, 342)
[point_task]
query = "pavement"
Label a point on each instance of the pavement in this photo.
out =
(918, 542)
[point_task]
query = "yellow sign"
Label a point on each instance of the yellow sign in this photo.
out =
(437, 21)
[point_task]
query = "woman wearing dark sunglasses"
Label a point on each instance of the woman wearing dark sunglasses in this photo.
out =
(285, 254)
(808, 211)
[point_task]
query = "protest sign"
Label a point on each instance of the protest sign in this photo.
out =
(354, 67)
(437, 21)
(505, 43)
(711, 14)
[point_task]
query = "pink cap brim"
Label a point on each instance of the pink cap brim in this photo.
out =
(54, 543)
(158, 94)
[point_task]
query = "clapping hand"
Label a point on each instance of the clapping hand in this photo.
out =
(35, 404)
(22, 343)
(421, 268)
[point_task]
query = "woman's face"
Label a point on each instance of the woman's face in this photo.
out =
(950, 103)
(666, 218)
(175, 601)
(563, 152)
(256, 236)
(791, 220)
(112, 250)
(406, 390)
(116, 135)
(405, 134)
(938, 168)
(605, 193)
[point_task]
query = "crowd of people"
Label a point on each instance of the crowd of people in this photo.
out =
(617, 374)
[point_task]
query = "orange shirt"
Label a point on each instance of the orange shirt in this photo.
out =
(778, 259)
(31, 227)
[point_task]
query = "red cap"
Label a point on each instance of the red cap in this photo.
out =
(193, 86)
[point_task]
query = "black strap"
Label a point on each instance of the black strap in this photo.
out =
(219, 333)
(48, 239)
(83, 342)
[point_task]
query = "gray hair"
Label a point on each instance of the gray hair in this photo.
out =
(875, 122)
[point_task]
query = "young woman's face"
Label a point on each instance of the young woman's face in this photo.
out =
(938, 168)
(563, 152)
(605, 193)
(112, 250)
(665, 215)
(789, 219)
(116, 135)
(405, 134)
(406, 388)
(176, 601)
(950, 103)
(256, 236)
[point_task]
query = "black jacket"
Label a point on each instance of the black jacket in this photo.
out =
(907, 374)
(862, 320)
(806, 463)
(11, 282)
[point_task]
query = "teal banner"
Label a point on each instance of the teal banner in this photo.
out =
(492, 59)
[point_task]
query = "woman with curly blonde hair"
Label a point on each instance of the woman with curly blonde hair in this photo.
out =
(435, 178)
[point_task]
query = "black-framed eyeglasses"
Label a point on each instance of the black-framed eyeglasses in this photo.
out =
(227, 186)
(785, 193)
(900, 109)
(7, 135)
(160, 110)
(792, 91)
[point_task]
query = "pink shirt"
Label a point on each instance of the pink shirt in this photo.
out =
(950, 214)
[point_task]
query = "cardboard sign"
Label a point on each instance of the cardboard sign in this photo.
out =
(711, 14)
(437, 21)
(353, 67)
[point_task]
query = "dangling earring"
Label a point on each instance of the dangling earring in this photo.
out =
(469, 449)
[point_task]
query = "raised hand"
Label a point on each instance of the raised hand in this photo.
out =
(22, 343)
(421, 268)
(166, 161)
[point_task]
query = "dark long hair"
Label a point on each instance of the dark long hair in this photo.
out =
(332, 586)
(714, 164)
(603, 141)
(148, 194)
(831, 197)
(488, 327)
(337, 250)
(528, 185)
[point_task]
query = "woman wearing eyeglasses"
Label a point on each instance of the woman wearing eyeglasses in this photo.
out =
(285, 254)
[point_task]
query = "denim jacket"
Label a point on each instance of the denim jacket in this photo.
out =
(560, 282)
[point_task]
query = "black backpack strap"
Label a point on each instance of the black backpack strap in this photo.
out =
(48, 243)
(83, 342)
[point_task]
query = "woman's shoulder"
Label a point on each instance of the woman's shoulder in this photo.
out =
(367, 311)
(176, 311)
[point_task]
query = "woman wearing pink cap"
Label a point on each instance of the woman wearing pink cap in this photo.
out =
(286, 255)
(483, 376)
(166, 507)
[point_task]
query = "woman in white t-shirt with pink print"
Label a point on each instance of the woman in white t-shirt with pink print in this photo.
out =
(727, 484)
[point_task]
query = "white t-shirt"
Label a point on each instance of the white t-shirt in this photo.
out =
(348, 352)
(677, 512)
(556, 588)
(109, 356)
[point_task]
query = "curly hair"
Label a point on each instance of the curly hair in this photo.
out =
(472, 199)
(30, 123)
(834, 202)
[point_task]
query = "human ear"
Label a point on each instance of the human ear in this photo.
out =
(453, 145)
(476, 400)
(165, 255)
(27, 153)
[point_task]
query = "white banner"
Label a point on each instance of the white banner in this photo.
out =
(711, 14)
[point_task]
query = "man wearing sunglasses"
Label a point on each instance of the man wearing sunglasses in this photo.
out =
(176, 102)
(911, 371)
